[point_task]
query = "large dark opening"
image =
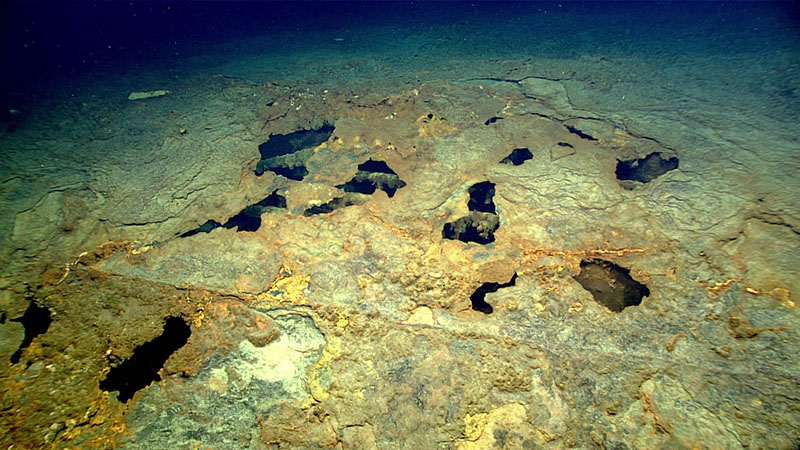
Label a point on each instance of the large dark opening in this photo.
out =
(647, 169)
(372, 165)
(476, 227)
(610, 284)
(36, 320)
(296, 173)
(248, 219)
(481, 197)
(142, 368)
(517, 156)
(285, 144)
(374, 175)
(278, 153)
(478, 297)
(481, 223)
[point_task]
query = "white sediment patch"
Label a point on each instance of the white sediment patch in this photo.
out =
(141, 95)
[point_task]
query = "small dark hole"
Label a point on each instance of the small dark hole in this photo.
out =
(479, 296)
(610, 284)
(580, 133)
(141, 369)
(492, 120)
(36, 320)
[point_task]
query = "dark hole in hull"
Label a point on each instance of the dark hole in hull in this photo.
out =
(372, 165)
(610, 284)
(36, 320)
(274, 152)
(142, 368)
(481, 197)
(296, 173)
(647, 169)
(373, 175)
(481, 223)
(248, 219)
(477, 227)
(517, 156)
(478, 297)
(285, 144)
(360, 185)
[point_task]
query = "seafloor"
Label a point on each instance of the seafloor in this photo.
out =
(552, 227)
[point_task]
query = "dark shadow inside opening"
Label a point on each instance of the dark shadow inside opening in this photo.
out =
(142, 368)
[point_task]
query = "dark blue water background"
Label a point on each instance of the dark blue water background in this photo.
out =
(45, 42)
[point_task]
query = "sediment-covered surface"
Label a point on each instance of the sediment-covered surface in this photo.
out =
(629, 281)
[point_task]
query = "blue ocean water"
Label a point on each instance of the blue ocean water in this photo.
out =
(43, 41)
